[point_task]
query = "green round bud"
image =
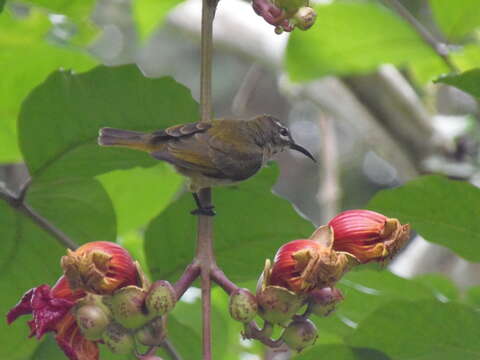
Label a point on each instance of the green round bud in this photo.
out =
(151, 334)
(243, 305)
(92, 321)
(305, 17)
(118, 339)
(128, 307)
(161, 298)
(300, 334)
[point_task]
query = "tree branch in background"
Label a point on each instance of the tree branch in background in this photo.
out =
(440, 48)
(329, 192)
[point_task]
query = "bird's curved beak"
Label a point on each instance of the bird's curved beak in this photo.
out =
(301, 149)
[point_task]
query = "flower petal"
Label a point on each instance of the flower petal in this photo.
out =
(72, 342)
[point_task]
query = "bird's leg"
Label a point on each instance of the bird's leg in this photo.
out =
(202, 210)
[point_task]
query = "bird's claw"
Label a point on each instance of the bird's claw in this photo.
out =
(206, 211)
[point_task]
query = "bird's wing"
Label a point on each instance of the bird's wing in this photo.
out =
(190, 153)
(236, 156)
(180, 131)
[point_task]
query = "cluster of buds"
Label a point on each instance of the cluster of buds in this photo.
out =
(304, 273)
(103, 297)
(286, 15)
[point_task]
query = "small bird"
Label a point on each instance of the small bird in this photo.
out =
(210, 153)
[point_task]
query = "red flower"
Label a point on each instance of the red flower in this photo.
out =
(305, 264)
(367, 235)
(51, 307)
(99, 267)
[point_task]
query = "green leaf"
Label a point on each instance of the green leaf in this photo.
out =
(443, 211)
(473, 297)
(421, 330)
(457, 18)
(22, 40)
(443, 288)
(352, 37)
(30, 257)
(69, 204)
(251, 224)
(337, 352)
(468, 81)
(60, 119)
(135, 209)
(149, 14)
(365, 290)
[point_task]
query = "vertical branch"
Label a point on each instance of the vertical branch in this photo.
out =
(205, 223)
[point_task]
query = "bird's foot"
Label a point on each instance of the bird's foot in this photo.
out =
(206, 211)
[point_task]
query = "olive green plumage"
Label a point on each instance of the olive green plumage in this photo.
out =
(211, 153)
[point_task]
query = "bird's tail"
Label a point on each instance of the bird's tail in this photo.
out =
(125, 138)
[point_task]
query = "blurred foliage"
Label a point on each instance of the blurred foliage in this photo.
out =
(149, 14)
(456, 19)
(21, 40)
(94, 193)
(352, 37)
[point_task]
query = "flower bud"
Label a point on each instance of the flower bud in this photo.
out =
(128, 307)
(118, 339)
(243, 305)
(304, 18)
(323, 301)
(92, 321)
(99, 267)
(152, 334)
(305, 264)
(367, 235)
(161, 298)
(299, 334)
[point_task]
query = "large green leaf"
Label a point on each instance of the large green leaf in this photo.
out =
(60, 119)
(366, 290)
(468, 81)
(150, 14)
(30, 256)
(153, 190)
(426, 330)
(456, 18)
(29, 58)
(250, 226)
(443, 211)
(352, 37)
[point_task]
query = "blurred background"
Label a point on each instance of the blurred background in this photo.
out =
(361, 99)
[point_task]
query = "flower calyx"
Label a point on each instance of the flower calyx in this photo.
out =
(276, 304)
(300, 334)
(323, 301)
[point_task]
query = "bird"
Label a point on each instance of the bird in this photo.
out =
(211, 153)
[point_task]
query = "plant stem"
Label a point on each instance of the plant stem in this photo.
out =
(205, 255)
(18, 203)
(221, 279)
(170, 350)
(440, 48)
(188, 277)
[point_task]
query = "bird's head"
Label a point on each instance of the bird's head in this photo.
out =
(277, 136)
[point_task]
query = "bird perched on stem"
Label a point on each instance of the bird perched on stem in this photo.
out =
(210, 153)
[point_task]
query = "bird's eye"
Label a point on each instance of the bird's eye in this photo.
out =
(283, 132)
